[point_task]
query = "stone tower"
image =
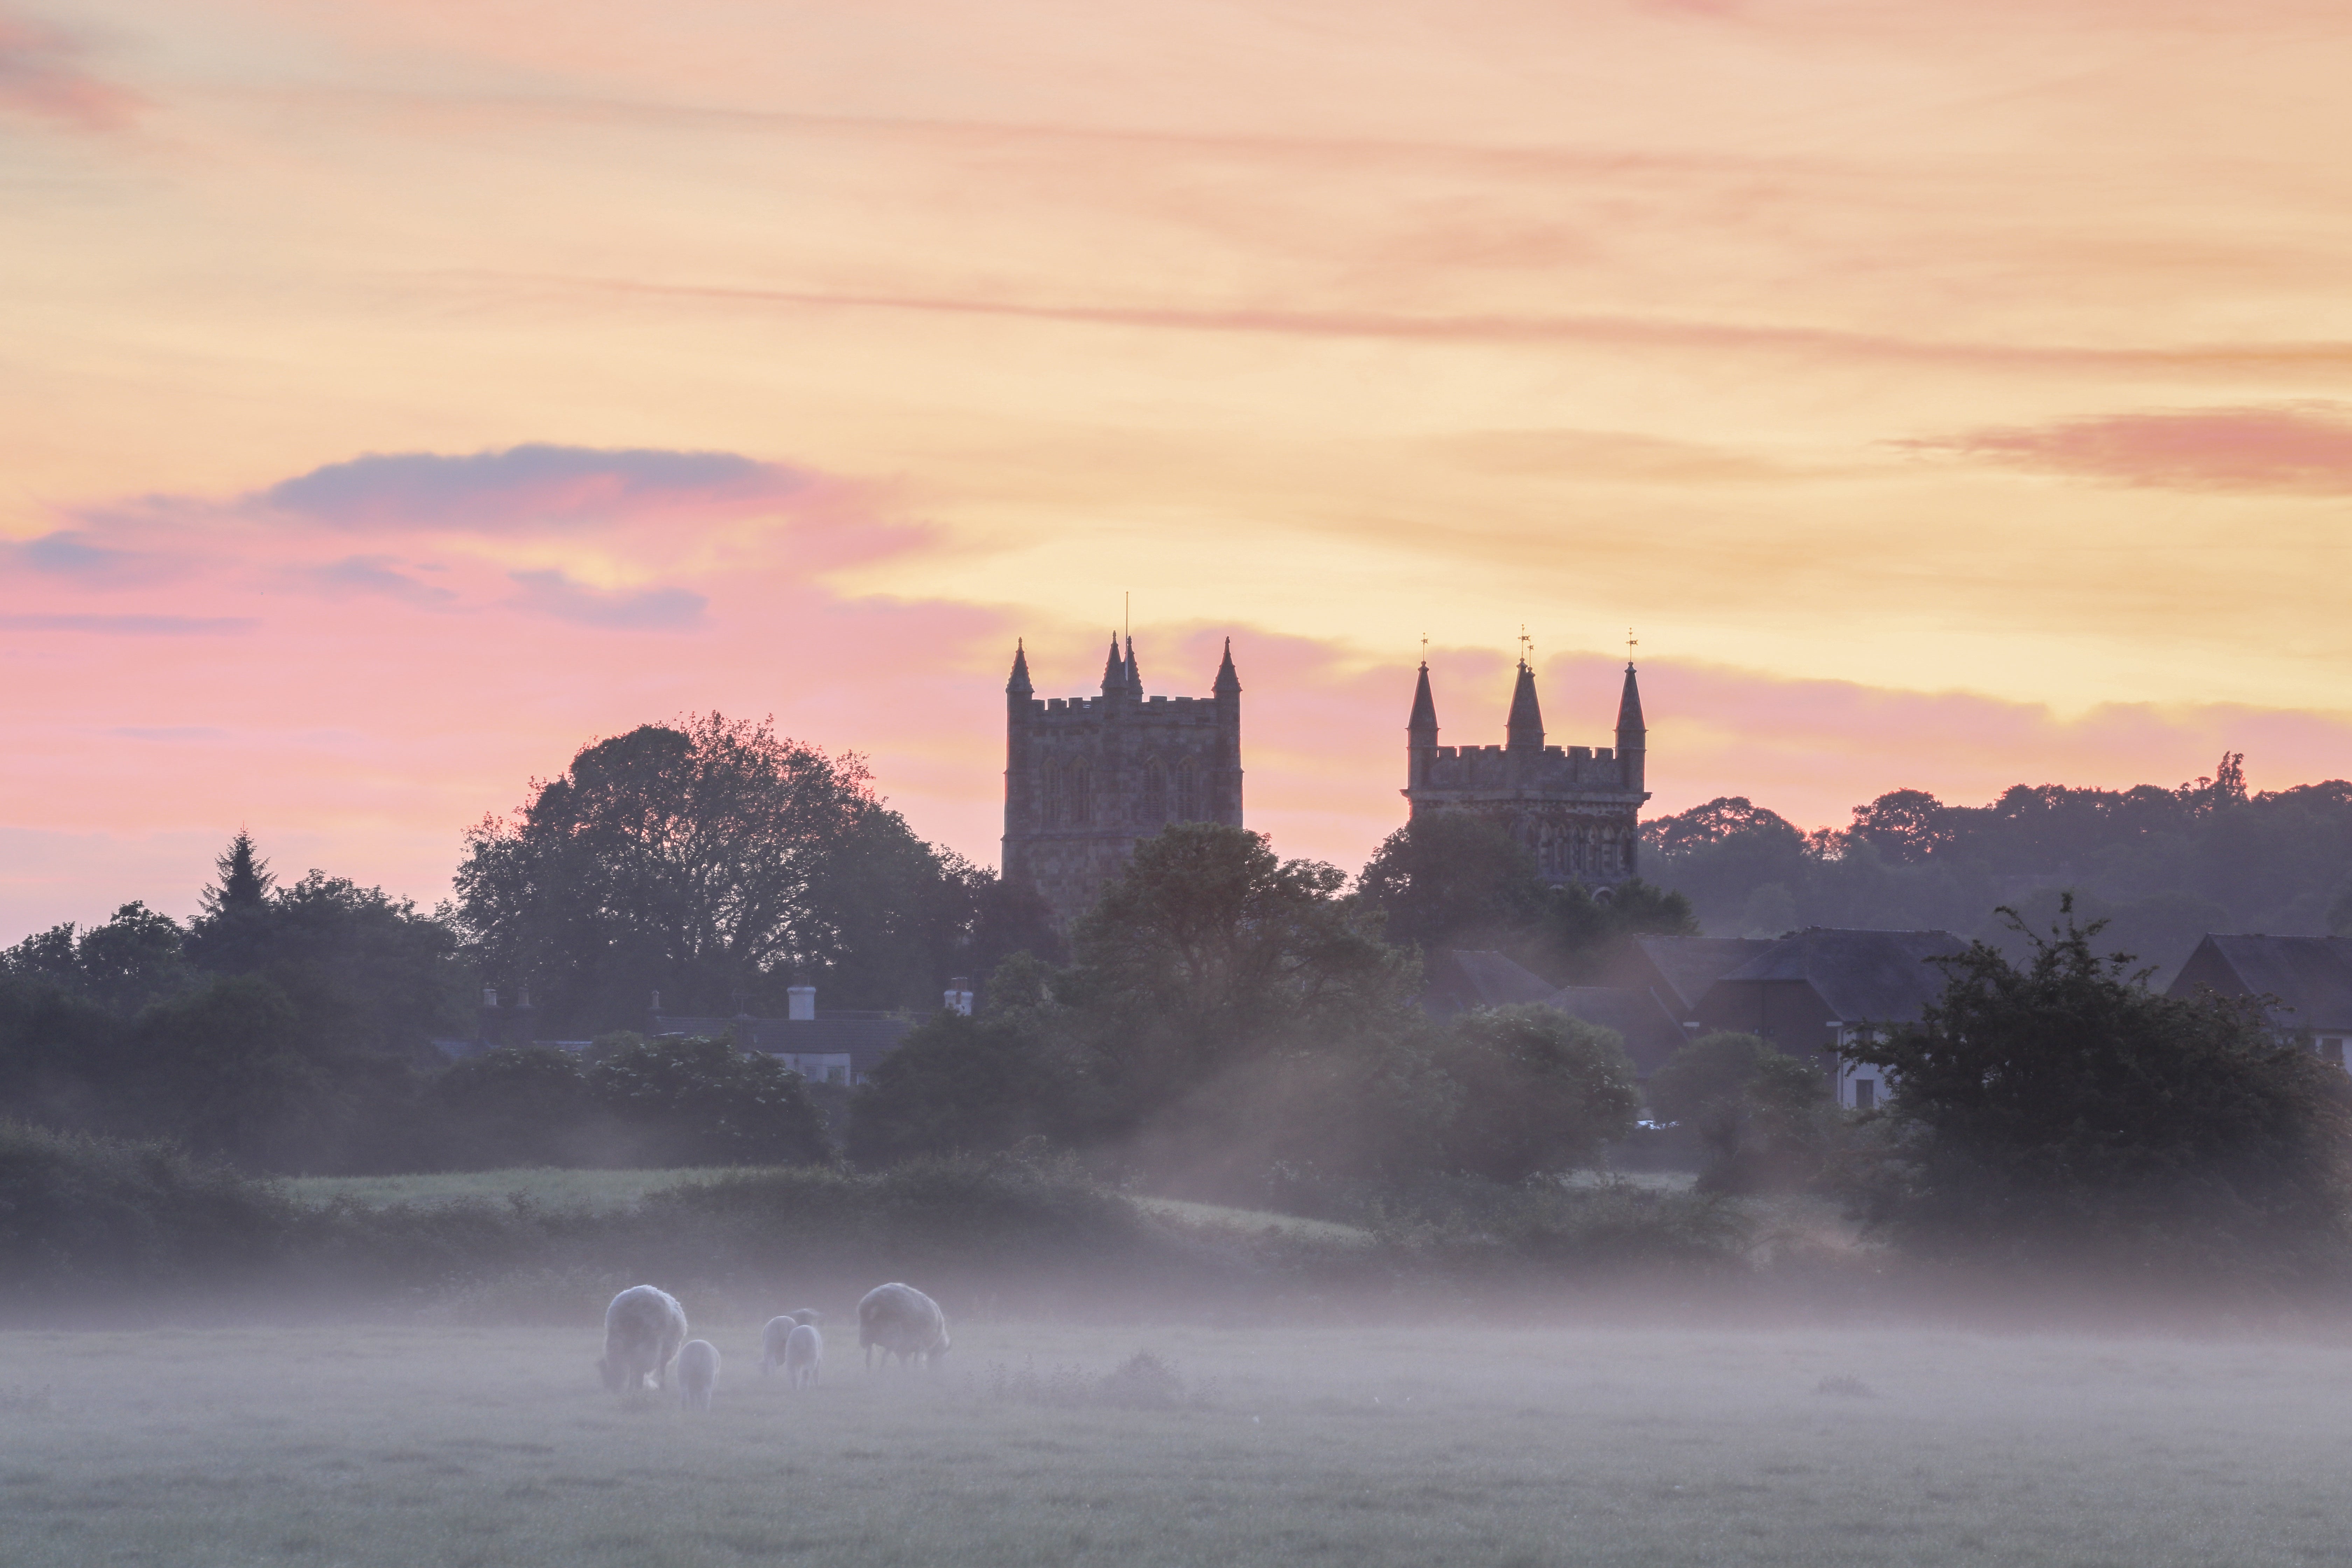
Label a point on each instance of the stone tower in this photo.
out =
(1086, 777)
(1575, 809)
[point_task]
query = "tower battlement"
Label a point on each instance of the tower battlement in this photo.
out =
(1086, 778)
(1577, 809)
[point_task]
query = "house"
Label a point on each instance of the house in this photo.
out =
(2308, 979)
(1823, 990)
(836, 1045)
(1677, 970)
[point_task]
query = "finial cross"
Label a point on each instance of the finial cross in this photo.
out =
(1631, 644)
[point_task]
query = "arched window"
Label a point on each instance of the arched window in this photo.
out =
(1051, 808)
(1081, 788)
(1188, 791)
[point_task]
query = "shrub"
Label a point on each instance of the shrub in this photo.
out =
(2058, 1114)
(1541, 1092)
(1762, 1117)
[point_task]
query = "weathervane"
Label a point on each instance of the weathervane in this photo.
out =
(1527, 644)
(1631, 644)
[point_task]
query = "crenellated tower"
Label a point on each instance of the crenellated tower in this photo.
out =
(1086, 778)
(1575, 809)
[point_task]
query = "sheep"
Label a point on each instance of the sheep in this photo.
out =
(642, 1328)
(697, 1373)
(904, 1322)
(771, 1342)
(804, 1355)
(808, 1315)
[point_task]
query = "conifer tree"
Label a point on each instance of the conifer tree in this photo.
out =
(245, 879)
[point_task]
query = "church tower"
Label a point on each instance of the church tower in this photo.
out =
(1087, 778)
(1577, 810)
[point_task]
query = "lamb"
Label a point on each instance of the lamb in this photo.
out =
(804, 1356)
(771, 1342)
(642, 1328)
(697, 1373)
(904, 1322)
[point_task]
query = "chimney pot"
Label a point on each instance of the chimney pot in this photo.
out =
(800, 1002)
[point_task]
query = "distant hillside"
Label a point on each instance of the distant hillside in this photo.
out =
(2163, 865)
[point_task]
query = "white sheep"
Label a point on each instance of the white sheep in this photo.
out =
(804, 1356)
(697, 1373)
(642, 1328)
(771, 1342)
(903, 1322)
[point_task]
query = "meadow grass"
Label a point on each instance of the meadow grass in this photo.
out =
(1429, 1444)
(599, 1191)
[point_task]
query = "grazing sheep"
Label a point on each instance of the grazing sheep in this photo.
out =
(771, 1342)
(642, 1328)
(697, 1373)
(808, 1315)
(903, 1322)
(804, 1356)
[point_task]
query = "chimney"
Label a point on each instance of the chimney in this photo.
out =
(959, 995)
(489, 995)
(800, 1003)
(656, 1008)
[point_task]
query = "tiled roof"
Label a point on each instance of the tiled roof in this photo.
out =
(1860, 975)
(1650, 1032)
(2312, 975)
(1459, 982)
(1689, 965)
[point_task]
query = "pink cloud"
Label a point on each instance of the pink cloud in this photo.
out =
(2299, 448)
(43, 76)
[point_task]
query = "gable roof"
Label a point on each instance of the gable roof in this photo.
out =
(2311, 975)
(1459, 980)
(1650, 1032)
(1683, 966)
(1881, 977)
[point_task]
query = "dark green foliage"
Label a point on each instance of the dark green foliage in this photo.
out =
(960, 1086)
(2056, 1112)
(717, 864)
(245, 879)
(1453, 880)
(86, 1216)
(132, 959)
(703, 1102)
(1469, 1223)
(1540, 1092)
(1763, 1118)
(2166, 865)
(629, 1103)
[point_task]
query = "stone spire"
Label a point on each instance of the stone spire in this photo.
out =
(1632, 736)
(1134, 676)
(1019, 685)
(1524, 729)
(1420, 733)
(1114, 670)
(1227, 682)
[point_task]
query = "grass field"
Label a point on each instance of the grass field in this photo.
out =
(600, 1191)
(1436, 1445)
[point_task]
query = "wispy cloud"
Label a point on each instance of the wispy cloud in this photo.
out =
(44, 75)
(2305, 447)
(528, 488)
(551, 593)
(374, 574)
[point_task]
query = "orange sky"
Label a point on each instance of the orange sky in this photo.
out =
(393, 397)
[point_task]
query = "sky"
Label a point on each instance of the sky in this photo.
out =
(395, 397)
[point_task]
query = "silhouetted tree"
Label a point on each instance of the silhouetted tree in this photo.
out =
(1541, 1092)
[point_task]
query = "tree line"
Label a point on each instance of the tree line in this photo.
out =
(2160, 866)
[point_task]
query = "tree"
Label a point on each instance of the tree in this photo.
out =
(1541, 1092)
(1209, 952)
(1755, 1111)
(713, 862)
(1453, 879)
(245, 879)
(134, 959)
(2057, 1113)
(702, 1102)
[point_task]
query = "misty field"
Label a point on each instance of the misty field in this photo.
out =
(1456, 1445)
